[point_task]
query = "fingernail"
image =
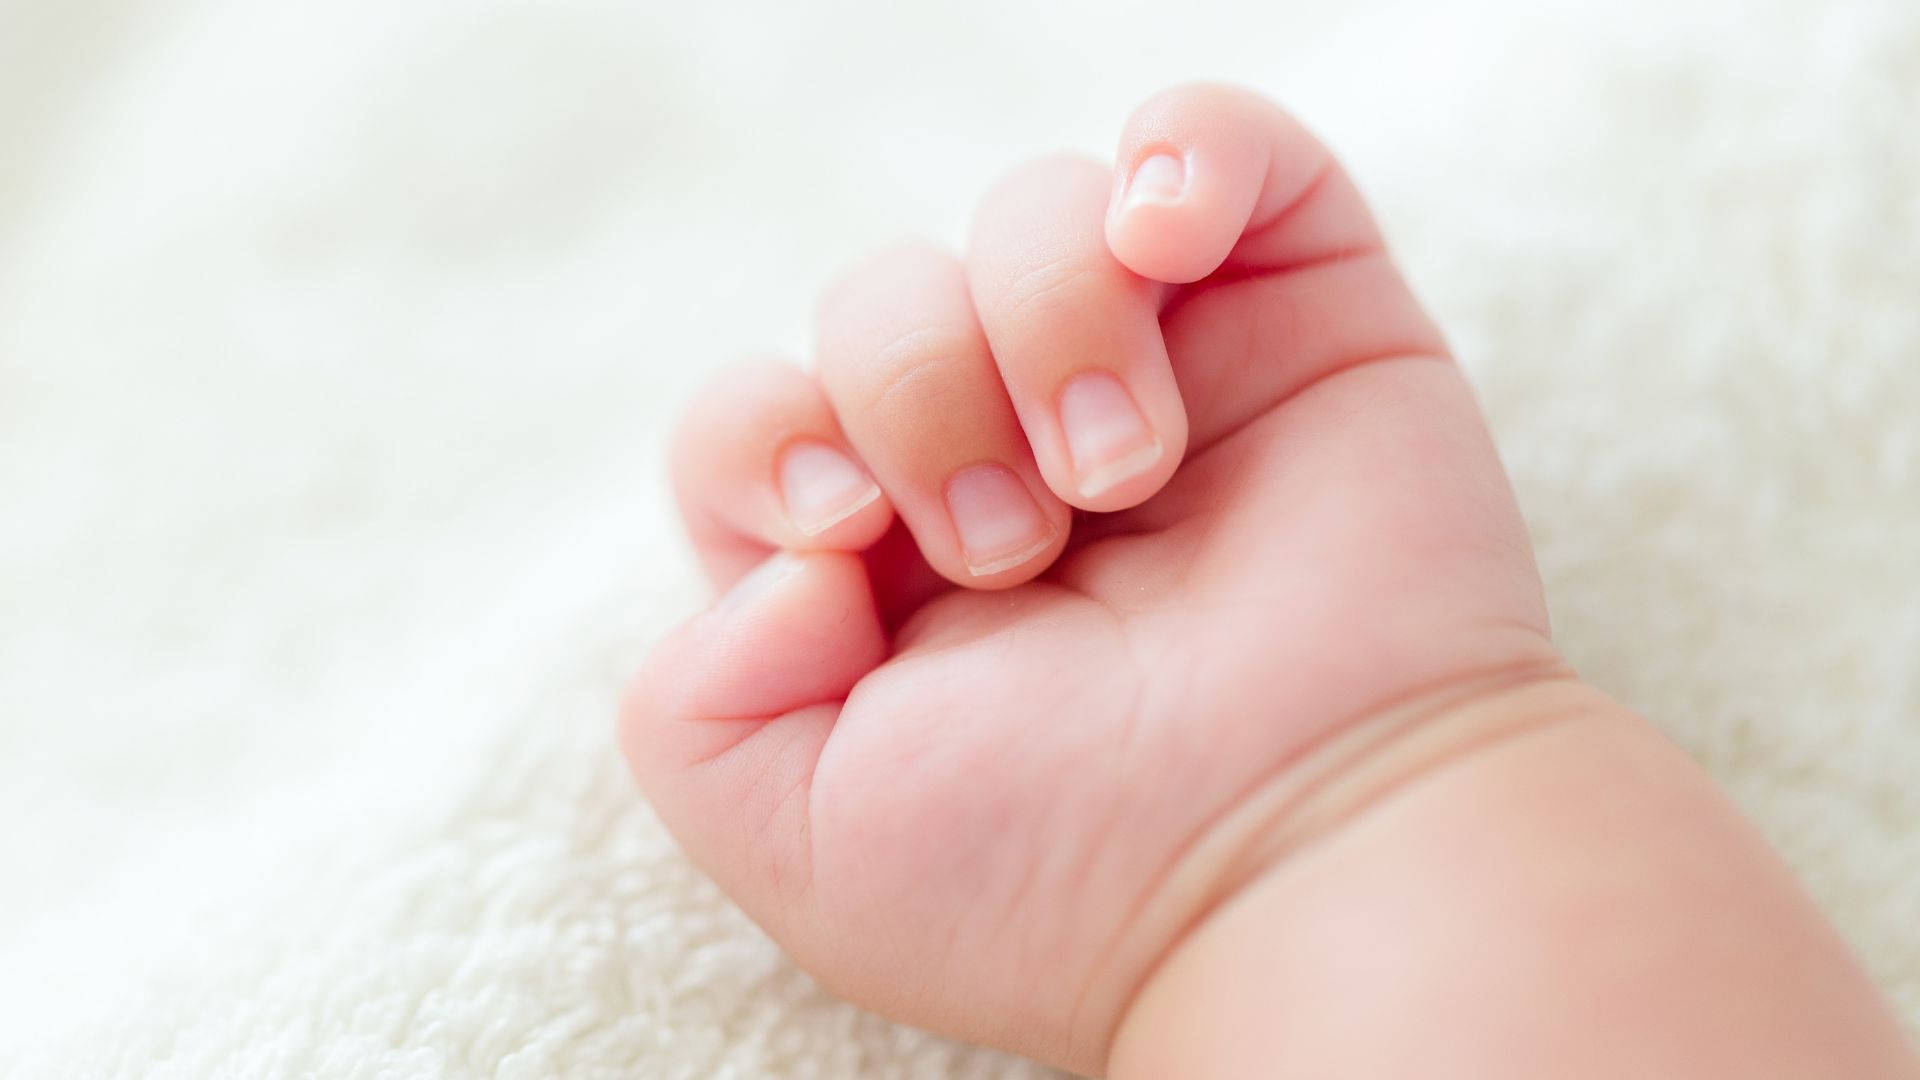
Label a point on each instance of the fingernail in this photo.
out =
(759, 581)
(999, 524)
(822, 486)
(1107, 437)
(1161, 178)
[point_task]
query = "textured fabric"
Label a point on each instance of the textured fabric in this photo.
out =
(337, 341)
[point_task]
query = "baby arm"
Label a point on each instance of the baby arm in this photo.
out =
(1131, 655)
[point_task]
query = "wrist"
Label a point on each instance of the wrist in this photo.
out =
(1328, 790)
(1528, 881)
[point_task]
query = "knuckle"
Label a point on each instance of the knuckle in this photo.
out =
(1055, 280)
(898, 335)
(917, 371)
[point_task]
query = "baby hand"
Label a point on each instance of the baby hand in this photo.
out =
(979, 761)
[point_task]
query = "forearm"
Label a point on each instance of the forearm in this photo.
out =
(1574, 899)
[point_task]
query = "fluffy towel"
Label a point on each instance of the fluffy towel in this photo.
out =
(337, 340)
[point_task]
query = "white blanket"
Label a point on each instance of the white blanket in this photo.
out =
(337, 340)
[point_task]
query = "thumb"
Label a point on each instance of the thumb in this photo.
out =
(727, 718)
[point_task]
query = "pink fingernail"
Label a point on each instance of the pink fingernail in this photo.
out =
(999, 524)
(1107, 437)
(1161, 178)
(822, 486)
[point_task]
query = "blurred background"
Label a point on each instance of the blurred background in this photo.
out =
(337, 342)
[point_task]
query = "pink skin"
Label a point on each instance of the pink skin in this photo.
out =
(974, 761)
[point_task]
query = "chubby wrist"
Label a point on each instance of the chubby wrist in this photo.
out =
(1528, 881)
(1331, 788)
